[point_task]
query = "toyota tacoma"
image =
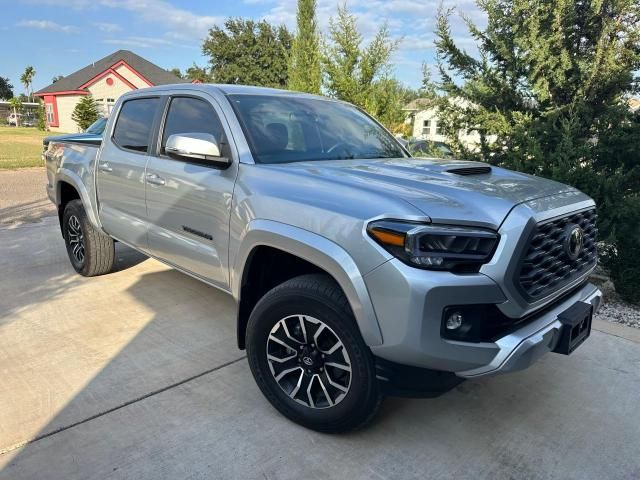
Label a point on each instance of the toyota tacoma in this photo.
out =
(357, 270)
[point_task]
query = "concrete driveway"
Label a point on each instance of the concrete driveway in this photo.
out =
(136, 375)
(22, 196)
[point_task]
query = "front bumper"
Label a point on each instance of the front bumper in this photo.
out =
(520, 349)
(409, 304)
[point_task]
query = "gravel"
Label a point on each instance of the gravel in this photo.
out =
(616, 310)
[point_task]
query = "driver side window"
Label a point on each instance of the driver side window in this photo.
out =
(192, 115)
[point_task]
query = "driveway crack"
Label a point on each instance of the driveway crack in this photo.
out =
(118, 407)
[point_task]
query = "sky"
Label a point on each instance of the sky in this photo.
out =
(59, 37)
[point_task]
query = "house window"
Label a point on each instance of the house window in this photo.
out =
(426, 127)
(105, 105)
(49, 111)
(438, 129)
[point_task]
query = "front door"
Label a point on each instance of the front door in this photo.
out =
(121, 172)
(189, 202)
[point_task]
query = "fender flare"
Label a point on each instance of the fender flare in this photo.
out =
(319, 251)
(73, 179)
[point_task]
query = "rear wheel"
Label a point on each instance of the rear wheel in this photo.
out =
(90, 251)
(308, 357)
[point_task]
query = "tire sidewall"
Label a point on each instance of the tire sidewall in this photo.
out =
(273, 308)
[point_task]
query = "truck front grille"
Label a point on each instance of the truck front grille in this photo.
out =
(546, 265)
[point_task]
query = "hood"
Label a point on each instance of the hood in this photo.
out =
(482, 199)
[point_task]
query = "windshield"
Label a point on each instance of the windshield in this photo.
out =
(282, 129)
(97, 127)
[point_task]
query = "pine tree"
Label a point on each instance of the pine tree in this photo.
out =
(547, 93)
(86, 112)
(304, 61)
(353, 73)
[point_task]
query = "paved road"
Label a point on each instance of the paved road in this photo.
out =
(135, 375)
(23, 198)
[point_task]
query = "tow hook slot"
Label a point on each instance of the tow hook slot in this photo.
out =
(576, 327)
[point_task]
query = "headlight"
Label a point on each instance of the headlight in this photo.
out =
(435, 247)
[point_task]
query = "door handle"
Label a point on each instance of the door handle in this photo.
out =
(154, 179)
(105, 167)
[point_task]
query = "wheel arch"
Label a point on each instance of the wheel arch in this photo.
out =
(319, 253)
(69, 186)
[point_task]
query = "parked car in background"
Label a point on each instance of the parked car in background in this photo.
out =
(23, 120)
(428, 148)
(357, 271)
(92, 135)
(14, 119)
(28, 121)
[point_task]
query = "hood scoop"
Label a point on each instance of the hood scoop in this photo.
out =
(470, 170)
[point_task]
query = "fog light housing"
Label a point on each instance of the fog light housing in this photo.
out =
(454, 321)
(475, 323)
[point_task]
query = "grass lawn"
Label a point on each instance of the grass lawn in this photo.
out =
(21, 147)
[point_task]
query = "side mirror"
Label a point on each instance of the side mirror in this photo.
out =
(200, 147)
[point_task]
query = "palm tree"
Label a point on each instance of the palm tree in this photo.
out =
(16, 104)
(27, 79)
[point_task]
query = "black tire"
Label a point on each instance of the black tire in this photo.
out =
(98, 249)
(318, 297)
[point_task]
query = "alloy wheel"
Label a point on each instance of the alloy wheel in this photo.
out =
(76, 238)
(309, 361)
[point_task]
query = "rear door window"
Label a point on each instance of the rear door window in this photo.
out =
(134, 124)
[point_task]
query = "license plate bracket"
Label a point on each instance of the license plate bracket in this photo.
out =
(576, 327)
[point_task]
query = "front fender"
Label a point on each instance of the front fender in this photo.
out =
(318, 250)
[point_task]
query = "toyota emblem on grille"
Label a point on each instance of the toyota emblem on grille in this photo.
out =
(573, 242)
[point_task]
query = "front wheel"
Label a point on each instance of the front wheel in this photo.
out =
(308, 357)
(90, 251)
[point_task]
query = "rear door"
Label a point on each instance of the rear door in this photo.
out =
(189, 202)
(121, 171)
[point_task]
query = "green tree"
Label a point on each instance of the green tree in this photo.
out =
(194, 72)
(40, 117)
(86, 112)
(248, 52)
(304, 62)
(354, 73)
(387, 97)
(27, 79)
(176, 71)
(6, 89)
(427, 88)
(547, 93)
(55, 78)
(16, 105)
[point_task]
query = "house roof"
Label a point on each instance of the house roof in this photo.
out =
(634, 104)
(419, 104)
(153, 73)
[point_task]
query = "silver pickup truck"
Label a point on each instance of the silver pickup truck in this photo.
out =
(358, 271)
